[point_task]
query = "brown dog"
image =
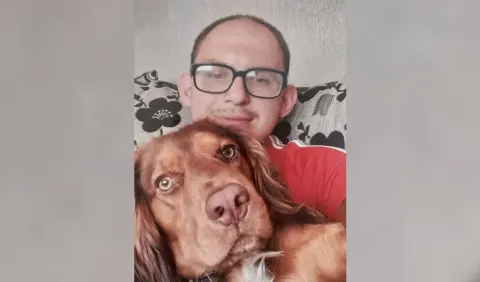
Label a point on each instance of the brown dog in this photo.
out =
(209, 204)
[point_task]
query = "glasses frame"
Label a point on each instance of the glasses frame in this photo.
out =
(238, 73)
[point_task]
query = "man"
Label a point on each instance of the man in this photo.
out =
(239, 75)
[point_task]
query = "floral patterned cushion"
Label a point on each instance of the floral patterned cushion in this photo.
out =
(318, 117)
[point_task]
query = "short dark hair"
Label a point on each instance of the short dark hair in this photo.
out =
(276, 33)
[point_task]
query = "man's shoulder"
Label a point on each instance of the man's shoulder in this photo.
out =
(298, 149)
(296, 158)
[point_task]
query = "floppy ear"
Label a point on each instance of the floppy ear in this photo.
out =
(153, 258)
(332, 259)
(273, 191)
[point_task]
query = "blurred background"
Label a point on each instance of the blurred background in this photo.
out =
(314, 29)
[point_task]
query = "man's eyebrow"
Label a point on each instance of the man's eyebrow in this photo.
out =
(210, 61)
(215, 61)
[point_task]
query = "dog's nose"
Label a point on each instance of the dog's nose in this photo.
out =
(228, 205)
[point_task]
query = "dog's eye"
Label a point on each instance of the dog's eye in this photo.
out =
(229, 152)
(165, 183)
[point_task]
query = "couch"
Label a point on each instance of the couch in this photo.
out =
(318, 118)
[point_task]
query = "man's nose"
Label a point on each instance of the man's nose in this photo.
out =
(237, 93)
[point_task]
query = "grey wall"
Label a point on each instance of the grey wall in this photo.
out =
(413, 157)
(314, 29)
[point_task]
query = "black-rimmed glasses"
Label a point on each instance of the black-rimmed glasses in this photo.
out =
(216, 78)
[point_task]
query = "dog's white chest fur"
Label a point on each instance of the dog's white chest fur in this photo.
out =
(255, 269)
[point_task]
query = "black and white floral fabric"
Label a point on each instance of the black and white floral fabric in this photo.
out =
(319, 117)
(157, 109)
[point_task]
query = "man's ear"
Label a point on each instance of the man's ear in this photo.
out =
(289, 98)
(185, 89)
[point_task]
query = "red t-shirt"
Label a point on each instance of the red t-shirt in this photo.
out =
(315, 175)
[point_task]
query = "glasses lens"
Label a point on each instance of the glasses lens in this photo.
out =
(264, 83)
(213, 78)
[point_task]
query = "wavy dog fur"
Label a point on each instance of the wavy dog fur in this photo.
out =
(155, 260)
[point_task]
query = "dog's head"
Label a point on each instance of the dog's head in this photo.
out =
(205, 199)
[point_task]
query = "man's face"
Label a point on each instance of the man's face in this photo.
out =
(240, 44)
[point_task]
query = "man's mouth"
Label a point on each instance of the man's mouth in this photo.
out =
(234, 120)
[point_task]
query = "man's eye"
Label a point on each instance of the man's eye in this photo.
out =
(262, 80)
(215, 75)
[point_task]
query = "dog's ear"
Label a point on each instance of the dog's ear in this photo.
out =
(271, 188)
(331, 254)
(153, 258)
